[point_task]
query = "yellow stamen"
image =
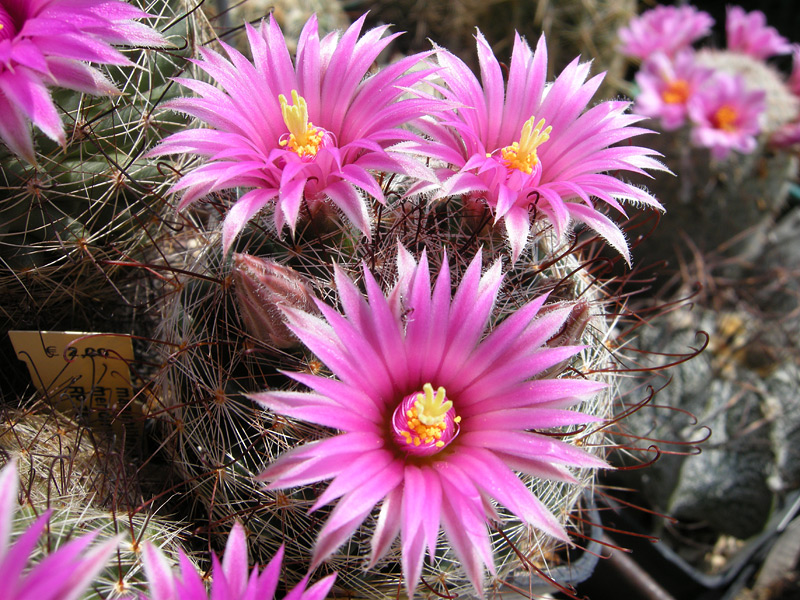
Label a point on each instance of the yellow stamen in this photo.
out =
(677, 92)
(725, 118)
(522, 155)
(304, 139)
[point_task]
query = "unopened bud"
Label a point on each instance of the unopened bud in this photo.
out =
(574, 325)
(570, 333)
(262, 288)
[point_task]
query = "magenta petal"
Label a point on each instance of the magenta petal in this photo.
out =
(518, 228)
(159, 573)
(85, 570)
(532, 445)
(529, 418)
(433, 508)
(540, 468)
(537, 393)
(345, 395)
(80, 77)
(351, 510)
(16, 558)
(609, 230)
(319, 591)
(190, 585)
(387, 526)
(234, 561)
(333, 452)
(355, 475)
(313, 408)
(464, 523)
(241, 212)
(32, 98)
(413, 508)
(490, 474)
(345, 196)
(268, 581)
(15, 132)
(9, 486)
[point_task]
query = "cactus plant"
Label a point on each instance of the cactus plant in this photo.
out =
(218, 334)
(70, 218)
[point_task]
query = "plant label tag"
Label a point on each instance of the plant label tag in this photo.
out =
(79, 373)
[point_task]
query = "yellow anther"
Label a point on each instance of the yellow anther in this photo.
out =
(304, 139)
(522, 155)
(457, 420)
(439, 444)
(676, 92)
(725, 118)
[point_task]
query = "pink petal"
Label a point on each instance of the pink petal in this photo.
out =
(234, 560)
(161, 580)
(357, 473)
(490, 474)
(27, 92)
(387, 526)
(413, 535)
(15, 132)
(240, 213)
(9, 487)
(532, 445)
(269, 578)
(351, 510)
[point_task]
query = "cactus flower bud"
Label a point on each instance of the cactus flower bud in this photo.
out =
(571, 331)
(262, 288)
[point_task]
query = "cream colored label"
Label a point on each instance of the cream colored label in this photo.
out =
(79, 371)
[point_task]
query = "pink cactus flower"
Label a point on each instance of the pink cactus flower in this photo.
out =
(666, 29)
(63, 575)
(794, 77)
(310, 130)
(49, 43)
(788, 136)
(749, 33)
(726, 116)
(434, 416)
(532, 149)
(230, 580)
(666, 86)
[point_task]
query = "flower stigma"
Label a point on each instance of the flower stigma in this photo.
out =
(522, 154)
(676, 92)
(425, 422)
(304, 139)
(725, 118)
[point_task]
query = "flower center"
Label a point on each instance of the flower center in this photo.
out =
(725, 118)
(522, 154)
(425, 422)
(7, 28)
(303, 139)
(676, 92)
